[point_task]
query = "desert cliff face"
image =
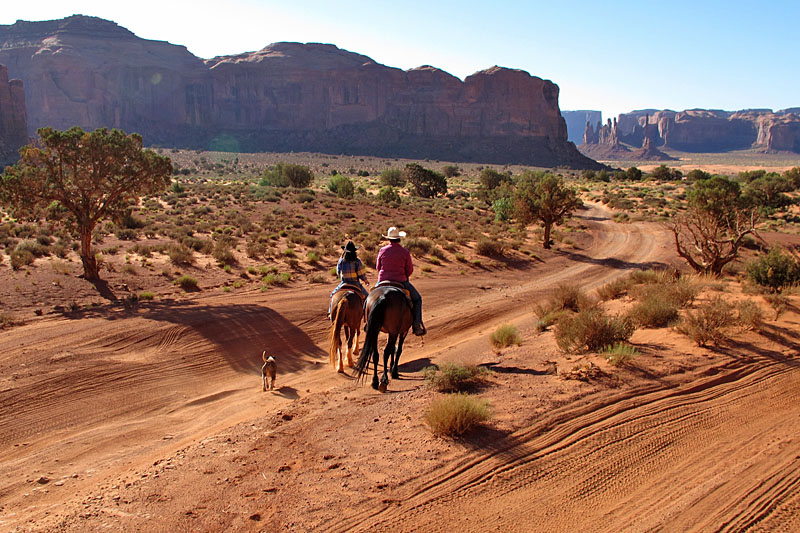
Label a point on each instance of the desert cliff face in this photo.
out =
(13, 120)
(288, 96)
(699, 130)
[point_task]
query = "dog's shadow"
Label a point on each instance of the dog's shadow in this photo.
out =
(290, 393)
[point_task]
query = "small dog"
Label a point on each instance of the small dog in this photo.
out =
(268, 370)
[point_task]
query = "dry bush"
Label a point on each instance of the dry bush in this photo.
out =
(180, 254)
(591, 330)
(504, 336)
(7, 321)
(21, 258)
(614, 289)
(454, 377)
(778, 302)
(488, 247)
(223, 253)
(548, 319)
(709, 323)
(750, 315)
(418, 246)
(564, 298)
(654, 312)
(455, 414)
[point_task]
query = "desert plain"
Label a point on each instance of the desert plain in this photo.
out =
(134, 405)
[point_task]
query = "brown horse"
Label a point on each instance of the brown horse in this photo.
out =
(347, 312)
(388, 310)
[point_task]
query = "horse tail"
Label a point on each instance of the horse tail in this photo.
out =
(374, 324)
(334, 337)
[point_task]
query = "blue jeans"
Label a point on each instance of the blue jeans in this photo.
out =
(339, 286)
(416, 299)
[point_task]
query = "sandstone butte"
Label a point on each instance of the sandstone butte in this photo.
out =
(92, 73)
(696, 130)
(13, 122)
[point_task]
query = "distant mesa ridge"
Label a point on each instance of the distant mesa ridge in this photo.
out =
(693, 130)
(90, 72)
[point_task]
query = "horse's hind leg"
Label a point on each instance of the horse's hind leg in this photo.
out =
(388, 354)
(396, 358)
(351, 335)
(375, 367)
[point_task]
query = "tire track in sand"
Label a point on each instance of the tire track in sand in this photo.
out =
(628, 465)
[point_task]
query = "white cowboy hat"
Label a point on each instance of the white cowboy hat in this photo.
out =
(394, 233)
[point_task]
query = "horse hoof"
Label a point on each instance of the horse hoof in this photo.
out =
(375, 385)
(382, 387)
(395, 375)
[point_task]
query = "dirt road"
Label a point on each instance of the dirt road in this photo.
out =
(88, 408)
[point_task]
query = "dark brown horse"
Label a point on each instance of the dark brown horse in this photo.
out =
(346, 312)
(388, 310)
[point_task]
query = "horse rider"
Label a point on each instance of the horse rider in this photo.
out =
(394, 264)
(350, 271)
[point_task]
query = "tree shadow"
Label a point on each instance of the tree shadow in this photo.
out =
(104, 290)
(611, 262)
(415, 365)
(494, 367)
(239, 333)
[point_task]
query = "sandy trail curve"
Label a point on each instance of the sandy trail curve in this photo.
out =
(98, 397)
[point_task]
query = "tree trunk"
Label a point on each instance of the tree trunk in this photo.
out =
(547, 227)
(90, 270)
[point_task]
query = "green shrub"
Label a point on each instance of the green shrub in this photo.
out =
(388, 195)
(341, 185)
(619, 353)
(186, 283)
(591, 330)
(34, 247)
(454, 377)
(548, 319)
(505, 335)
(709, 323)
(455, 414)
(146, 295)
(774, 270)
(393, 177)
(312, 258)
(287, 174)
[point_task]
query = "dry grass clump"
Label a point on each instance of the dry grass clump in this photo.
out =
(778, 302)
(7, 321)
(455, 377)
(659, 301)
(418, 247)
(564, 298)
(709, 323)
(614, 289)
(488, 247)
(504, 336)
(591, 330)
(750, 315)
(455, 414)
(180, 254)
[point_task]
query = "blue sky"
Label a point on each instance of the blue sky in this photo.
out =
(613, 56)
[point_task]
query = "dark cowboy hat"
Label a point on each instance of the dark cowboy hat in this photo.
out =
(350, 247)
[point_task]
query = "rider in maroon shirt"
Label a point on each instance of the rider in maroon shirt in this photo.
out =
(394, 264)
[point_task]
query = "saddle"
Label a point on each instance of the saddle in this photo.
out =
(396, 285)
(352, 288)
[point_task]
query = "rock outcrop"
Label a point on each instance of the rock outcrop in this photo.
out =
(304, 97)
(695, 130)
(13, 122)
(576, 121)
